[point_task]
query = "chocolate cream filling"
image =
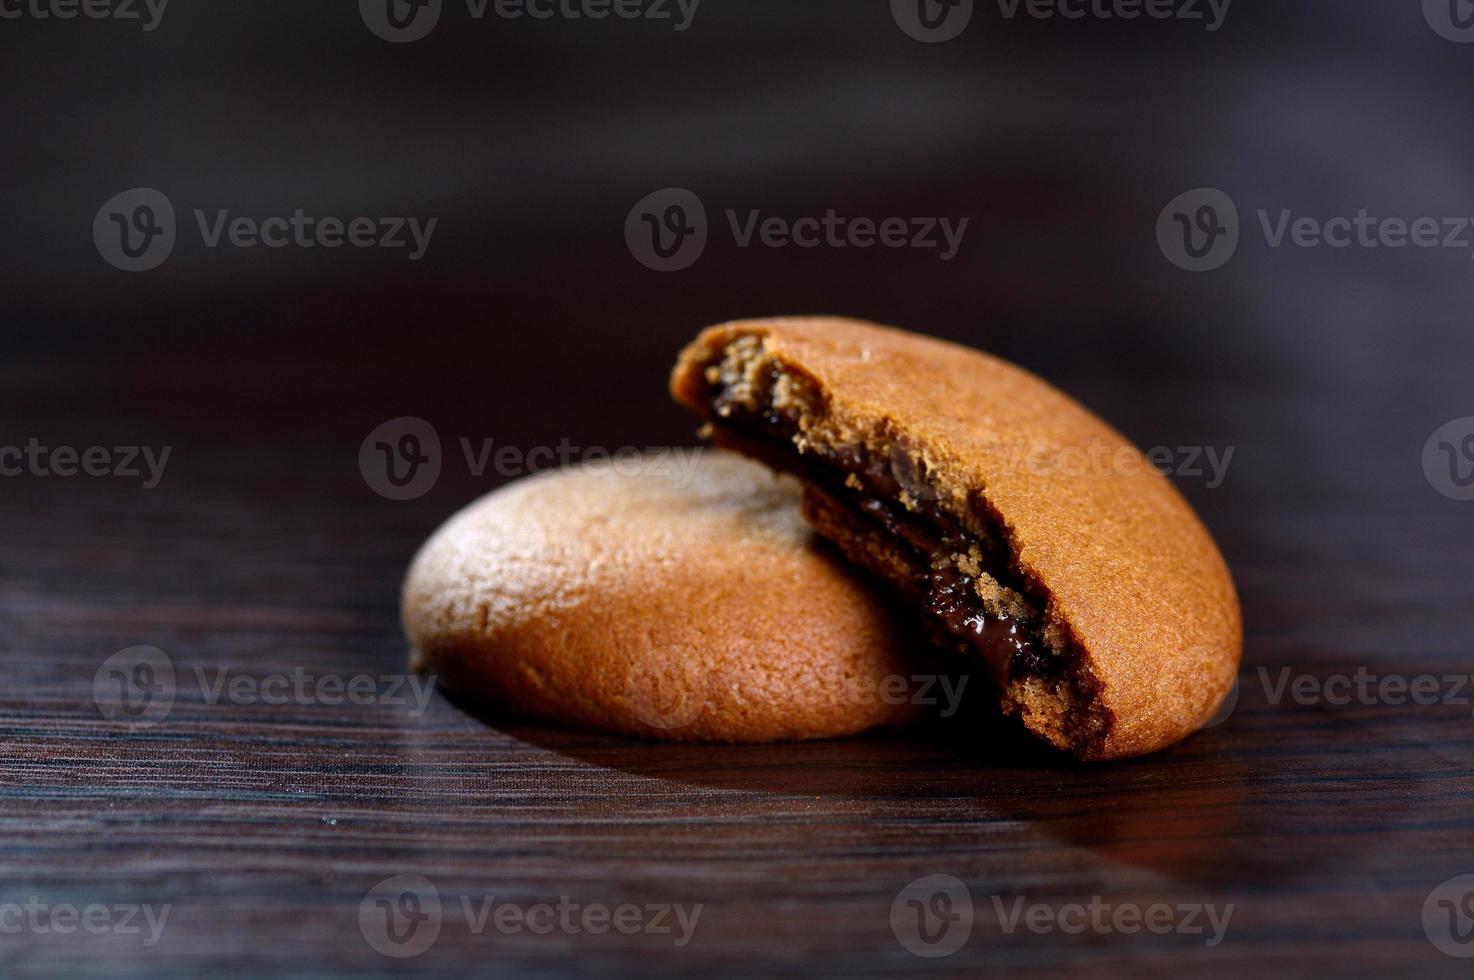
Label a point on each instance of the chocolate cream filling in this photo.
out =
(943, 560)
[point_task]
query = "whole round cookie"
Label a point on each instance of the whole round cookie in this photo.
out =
(679, 597)
(1034, 538)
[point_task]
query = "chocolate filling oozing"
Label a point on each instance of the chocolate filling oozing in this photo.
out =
(929, 539)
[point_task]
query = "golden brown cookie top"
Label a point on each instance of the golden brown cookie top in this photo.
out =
(679, 597)
(1129, 577)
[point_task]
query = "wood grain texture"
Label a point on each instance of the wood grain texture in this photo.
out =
(262, 550)
(264, 827)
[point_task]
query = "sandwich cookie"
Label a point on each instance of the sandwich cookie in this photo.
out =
(1031, 536)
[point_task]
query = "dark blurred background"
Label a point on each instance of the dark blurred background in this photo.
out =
(529, 320)
(530, 141)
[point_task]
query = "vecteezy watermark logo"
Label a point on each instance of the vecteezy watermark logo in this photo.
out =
(149, 12)
(1199, 230)
(1211, 12)
(932, 21)
(1207, 463)
(666, 230)
(42, 918)
(1101, 917)
(1448, 917)
(400, 21)
(139, 685)
(36, 460)
(135, 230)
(664, 695)
(932, 916)
(135, 685)
(1364, 230)
(1452, 20)
(1448, 459)
(1367, 689)
(300, 688)
(1088, 460)
(403, 916)
(942, 692)
(400, 460)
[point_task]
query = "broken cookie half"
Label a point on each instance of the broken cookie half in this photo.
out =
(1034, 539)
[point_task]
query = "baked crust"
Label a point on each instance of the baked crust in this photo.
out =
(1130, 587)
(639, 605)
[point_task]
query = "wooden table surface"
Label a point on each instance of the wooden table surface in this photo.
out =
(1316, 832)
(1308, 834)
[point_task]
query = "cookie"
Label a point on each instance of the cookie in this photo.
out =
(681, 598)
(1034, 539)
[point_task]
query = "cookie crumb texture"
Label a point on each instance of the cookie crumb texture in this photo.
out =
(1091, 595)
(688, 606)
